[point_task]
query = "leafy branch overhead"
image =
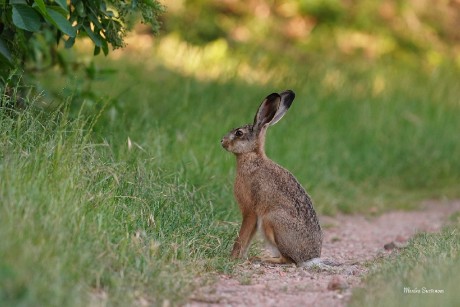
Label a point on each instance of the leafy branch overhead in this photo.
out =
(31, 29)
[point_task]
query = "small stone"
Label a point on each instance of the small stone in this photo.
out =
(392, 245)
(337, 283)
(389, 246)
(338, 296)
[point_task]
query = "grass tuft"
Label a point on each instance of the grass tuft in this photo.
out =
(422, 274)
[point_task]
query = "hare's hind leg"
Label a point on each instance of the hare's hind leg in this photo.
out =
(269, 234)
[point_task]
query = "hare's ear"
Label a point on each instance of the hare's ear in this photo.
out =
(287, 97)
(267, 110)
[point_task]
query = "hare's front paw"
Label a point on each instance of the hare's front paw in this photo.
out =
(238, 251)
(235, 253)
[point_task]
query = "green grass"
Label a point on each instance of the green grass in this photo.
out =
(75, 220)
(84, 216)
(411, 277)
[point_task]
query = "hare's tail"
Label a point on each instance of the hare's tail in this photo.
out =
(319, 263)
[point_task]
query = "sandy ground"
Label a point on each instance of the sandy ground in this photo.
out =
(352, 240)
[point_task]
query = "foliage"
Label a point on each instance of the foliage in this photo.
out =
(30, 31)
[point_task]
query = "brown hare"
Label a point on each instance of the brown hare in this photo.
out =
(270, 197)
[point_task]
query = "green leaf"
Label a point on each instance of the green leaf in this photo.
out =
(94, 37)
(58, 37)
(4, 52)
(80, 9)
(97, 50)
(59, 9)
(61, 22)
(26, 18)
(105, 47)
(95, 20)
(62, 3)
(41, 7)
(14, 2)
(70, 42)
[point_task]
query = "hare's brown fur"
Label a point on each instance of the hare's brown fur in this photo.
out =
(268, 195)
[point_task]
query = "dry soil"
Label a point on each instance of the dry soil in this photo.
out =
(352, 240)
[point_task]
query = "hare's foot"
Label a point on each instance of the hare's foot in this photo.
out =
(277, 260)
(272, 260)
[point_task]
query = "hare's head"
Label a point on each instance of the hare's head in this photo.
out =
(251, 138)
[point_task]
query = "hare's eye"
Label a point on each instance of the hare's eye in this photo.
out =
(239, 133)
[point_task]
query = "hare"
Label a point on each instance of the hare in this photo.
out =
(270, 197)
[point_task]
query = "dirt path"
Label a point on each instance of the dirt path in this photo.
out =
(353, 240)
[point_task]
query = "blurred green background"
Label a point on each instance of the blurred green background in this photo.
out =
(114, 186)
(377, 92)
